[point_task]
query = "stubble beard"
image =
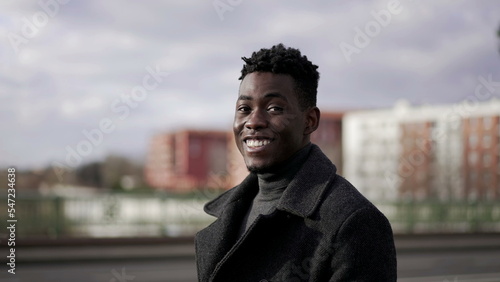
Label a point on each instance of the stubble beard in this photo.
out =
(263, 169)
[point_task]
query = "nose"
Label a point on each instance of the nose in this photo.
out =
(257, 120)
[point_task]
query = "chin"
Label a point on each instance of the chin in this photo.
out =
(264, 168)
(258, 170)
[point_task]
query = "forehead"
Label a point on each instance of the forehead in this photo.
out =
(260, 84)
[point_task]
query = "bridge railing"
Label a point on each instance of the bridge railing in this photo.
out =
(159, 215)
(433, 216)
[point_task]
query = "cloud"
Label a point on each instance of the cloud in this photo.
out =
(66, 77)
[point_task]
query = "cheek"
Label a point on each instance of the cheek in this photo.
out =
(237, 126)
(285, 122)
(290, 127)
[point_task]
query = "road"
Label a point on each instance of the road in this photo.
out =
(453, 266)
(450, 266)
(180, 270)
(443, 260)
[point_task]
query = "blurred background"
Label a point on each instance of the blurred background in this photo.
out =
(116, 116)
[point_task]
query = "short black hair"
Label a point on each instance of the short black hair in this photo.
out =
(282, 60)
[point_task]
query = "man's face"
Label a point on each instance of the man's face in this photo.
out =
(269, 125)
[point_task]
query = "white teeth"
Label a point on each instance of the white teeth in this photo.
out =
(257, 143)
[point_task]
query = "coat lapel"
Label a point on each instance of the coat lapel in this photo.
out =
(215, 241)
(304, 193)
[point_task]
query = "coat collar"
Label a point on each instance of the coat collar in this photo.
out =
(302, 196)
(244, 192)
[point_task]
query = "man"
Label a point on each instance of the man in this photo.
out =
(293, 218)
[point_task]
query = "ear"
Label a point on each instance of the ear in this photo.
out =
(312, 120)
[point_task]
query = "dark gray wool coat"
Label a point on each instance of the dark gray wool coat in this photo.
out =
(323, 229)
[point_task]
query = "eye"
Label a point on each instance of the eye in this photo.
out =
(275, 109)
(243, 109)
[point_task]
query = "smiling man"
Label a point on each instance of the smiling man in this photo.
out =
(293, 218)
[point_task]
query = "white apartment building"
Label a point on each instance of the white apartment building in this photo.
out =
(445, 152)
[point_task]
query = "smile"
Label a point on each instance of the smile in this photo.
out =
(255, 145)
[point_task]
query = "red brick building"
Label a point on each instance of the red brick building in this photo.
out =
(416, 161)
(186, 160)
(328, 137)
(481, 152)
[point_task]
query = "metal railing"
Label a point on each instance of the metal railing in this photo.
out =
(107, 215)
(130, 215)
(434, 216)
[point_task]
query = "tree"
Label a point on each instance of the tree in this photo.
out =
(498, 35)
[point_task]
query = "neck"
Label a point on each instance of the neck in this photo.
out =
(280, 177)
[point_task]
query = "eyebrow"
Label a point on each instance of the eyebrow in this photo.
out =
(268, 95)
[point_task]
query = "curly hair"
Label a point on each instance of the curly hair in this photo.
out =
(282, 60)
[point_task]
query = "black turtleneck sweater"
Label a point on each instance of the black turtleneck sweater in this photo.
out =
(272, 185)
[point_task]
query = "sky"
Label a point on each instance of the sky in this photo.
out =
(80, 80)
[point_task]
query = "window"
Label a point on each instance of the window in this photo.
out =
(472, 176)
(486, 178)
(473, 140)
(195, 148)
(420, 176)
(473, 156)
(473, 124)
(487, 123)
(487, 160)
(487, 141)
(409, 143)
